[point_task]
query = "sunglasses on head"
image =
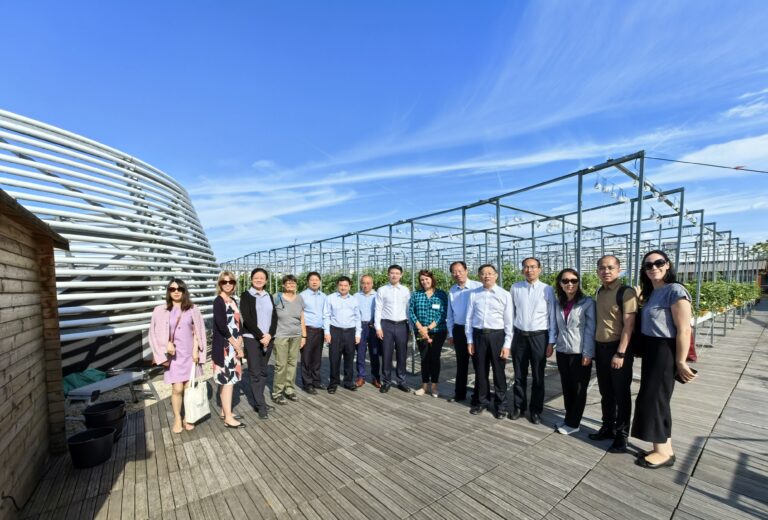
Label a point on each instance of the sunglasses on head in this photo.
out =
(226, 282)
(176, 289)
(657, 264)
(569, 281)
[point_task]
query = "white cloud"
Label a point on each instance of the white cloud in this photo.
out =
(748, 110)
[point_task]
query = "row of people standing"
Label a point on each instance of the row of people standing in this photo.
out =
(484, 323)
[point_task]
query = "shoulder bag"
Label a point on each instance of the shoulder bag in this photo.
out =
(196, 398)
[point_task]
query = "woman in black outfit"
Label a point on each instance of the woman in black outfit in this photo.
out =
(665, 325)
(259, 327)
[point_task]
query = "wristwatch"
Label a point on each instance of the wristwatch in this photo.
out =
(620, 355)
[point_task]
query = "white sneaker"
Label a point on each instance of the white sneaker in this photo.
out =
(566, 430)
(420, 391)
(435, 394)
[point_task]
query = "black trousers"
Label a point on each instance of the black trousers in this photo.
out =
(462, 362)
(614, 385)
(258, 360)
(529, 350)
(342, 345)
(653, 416)
(311, 357)
(430, 356)
(575, 380)
(487, 355)
(395, 343)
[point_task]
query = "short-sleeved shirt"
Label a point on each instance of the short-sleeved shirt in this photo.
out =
(288, 316)
(609, 318)
(657, 311)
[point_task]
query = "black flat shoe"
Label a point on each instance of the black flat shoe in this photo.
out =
(241, 425)
(514, 414)
(310, 390)
(331, 389)
(236, 417)
(643, 463)
(602, 434)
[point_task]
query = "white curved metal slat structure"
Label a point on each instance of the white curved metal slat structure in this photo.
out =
(131, 228)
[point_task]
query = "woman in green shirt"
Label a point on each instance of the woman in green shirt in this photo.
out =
(428, 309)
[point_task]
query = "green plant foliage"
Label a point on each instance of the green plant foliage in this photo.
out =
(718, 296)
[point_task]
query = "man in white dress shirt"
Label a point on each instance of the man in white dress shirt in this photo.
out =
(534, 338)
(391, 320)
(457, 317)
(489, 338)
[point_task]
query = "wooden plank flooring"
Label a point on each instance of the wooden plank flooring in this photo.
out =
(397, 455)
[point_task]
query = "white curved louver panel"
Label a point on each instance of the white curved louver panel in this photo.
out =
(131, 228)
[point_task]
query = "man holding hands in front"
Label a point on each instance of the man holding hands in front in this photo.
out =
(489, 337)
(535, 328)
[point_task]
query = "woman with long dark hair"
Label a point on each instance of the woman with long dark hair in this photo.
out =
(574, 345)
(665, 324)
(177, 337)
(227, 348)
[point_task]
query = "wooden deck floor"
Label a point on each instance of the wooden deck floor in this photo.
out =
(369, 455)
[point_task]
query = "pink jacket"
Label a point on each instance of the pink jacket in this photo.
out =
(159, 332)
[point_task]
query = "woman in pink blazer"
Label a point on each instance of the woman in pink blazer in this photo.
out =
(177, 337)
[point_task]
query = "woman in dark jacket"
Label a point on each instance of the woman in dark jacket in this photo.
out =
(259, 327)
(227, 348)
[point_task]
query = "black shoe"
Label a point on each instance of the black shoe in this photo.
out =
(280, 399)
(456, 399)
(263, 415)
(602, 434)
(310, 389)
(477, 410)
(236, 417)
(384, 389)
(331, 389)
(352, 388)
(403, 388)
(535, 418)
(241, 425)
(292, 397)
(619, 445)
(643, 462)
(270, 408)
(321, 387)
(514, 414)
(499, 415)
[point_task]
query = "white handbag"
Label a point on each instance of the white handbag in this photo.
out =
(196, 398)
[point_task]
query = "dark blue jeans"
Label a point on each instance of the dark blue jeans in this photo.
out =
(371, 343)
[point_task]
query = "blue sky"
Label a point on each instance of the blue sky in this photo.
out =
(300, 120)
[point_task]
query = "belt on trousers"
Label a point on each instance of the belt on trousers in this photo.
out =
(395, 322)
(487, 331)
(314, 328)
(334, 327)
(527, 333)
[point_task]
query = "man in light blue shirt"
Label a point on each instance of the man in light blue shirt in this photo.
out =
(366, 300)
(458, 299)
(342, 324)
(312, 352)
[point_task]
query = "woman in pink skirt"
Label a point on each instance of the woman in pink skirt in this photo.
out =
(177, 337)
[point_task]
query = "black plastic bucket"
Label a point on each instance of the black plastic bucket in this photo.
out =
(91, 447)
(104, 414)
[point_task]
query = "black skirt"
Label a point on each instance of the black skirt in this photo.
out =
(653, 417)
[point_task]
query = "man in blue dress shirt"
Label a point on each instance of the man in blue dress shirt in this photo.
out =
(342, 323)
(366, 300)
(391, 320)
(312, 353)
(458, 299)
